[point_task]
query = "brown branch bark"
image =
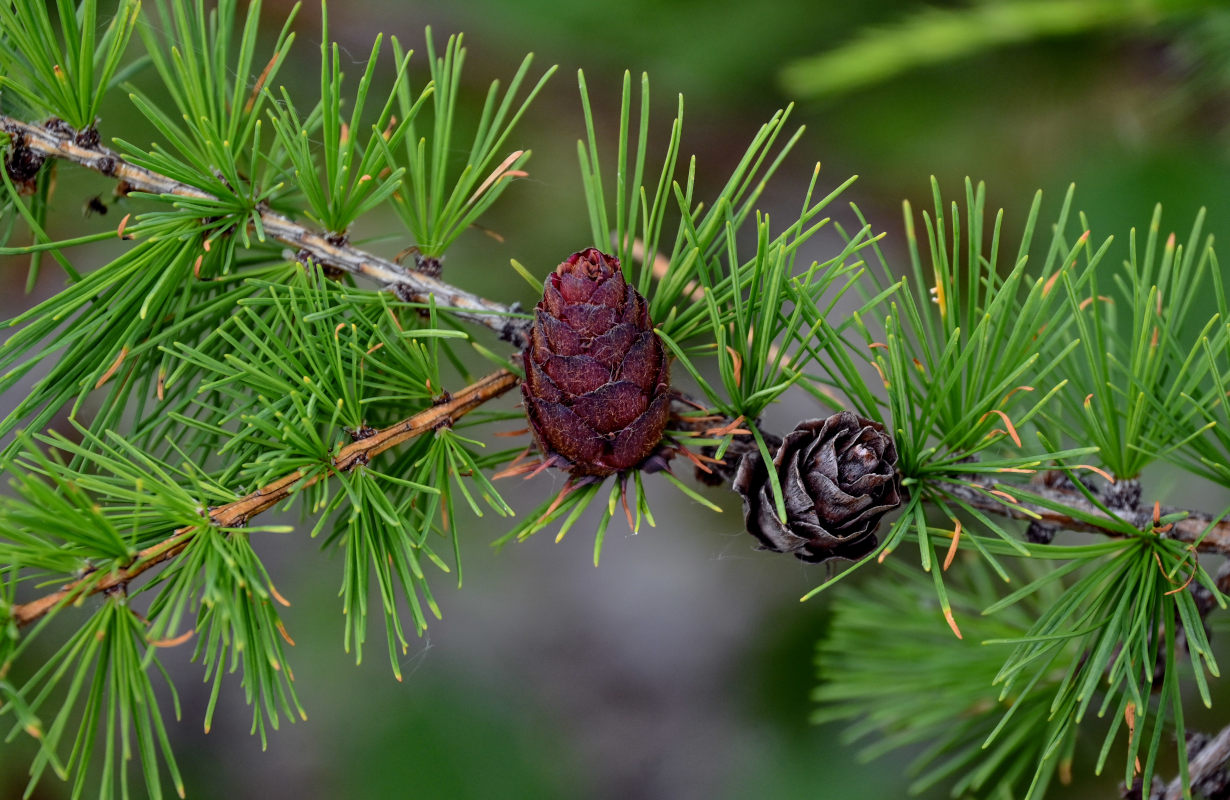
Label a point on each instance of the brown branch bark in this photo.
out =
(1205, 766)
(237, 513)
(58, 142)
(1189, 530)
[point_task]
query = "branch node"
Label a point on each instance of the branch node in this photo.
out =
(1123, 493)
(60, 129)
(362, 432)
(1039, 533)
(118, 590)
(515, 330)
(430, 266)
(22, 163)
(87, 138)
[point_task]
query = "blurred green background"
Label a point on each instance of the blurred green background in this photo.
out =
(681, 668)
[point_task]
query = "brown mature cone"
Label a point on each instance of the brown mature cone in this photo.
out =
(838, 478)
(597, 381)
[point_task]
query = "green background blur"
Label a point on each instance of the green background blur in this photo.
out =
(681, 668)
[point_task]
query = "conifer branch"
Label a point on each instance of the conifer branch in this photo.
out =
(979, 491)
(57, 140)
(1189, 530)
(237, 513)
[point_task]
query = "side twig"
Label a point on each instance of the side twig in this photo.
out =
(59, 142)
(1208, 533)
(1190, 530)
(237, 513)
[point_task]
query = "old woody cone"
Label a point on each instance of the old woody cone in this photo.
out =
(838, 477)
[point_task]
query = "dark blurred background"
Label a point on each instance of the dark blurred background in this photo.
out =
(681, 667)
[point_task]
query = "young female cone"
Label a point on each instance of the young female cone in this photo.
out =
(597, 381)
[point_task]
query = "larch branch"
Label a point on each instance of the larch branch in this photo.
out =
(1210, 534)
(238, 512)
(1207, 532)
(59, 143)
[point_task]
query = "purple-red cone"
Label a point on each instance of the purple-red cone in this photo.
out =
(597, 380)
